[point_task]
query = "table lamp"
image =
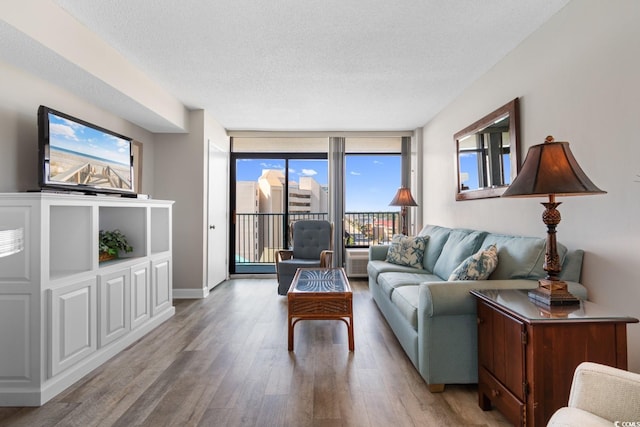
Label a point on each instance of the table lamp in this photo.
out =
(403, 198)
(551, 170)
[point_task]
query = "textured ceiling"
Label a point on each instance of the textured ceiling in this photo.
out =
(313, 64)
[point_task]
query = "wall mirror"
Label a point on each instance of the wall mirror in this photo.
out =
(487, 154)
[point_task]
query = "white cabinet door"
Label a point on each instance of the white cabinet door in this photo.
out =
(16, 350)
(114, 306)
(73, 312)
(161, 288)
(140, 295)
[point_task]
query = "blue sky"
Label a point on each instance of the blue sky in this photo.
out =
(77, 137)
(469, 169)
(371, 180)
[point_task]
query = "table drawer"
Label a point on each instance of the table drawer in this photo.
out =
(510, 406)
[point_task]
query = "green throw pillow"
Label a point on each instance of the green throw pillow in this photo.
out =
(406, 250)
(478, 266)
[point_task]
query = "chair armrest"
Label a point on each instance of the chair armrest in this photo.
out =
(284, 254)
(326, 259)
(604, 391)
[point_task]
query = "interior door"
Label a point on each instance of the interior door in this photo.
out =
(218, 216)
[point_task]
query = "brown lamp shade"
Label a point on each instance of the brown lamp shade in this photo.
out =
(550, 168)
(403, 198)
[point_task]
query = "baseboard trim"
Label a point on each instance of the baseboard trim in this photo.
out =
(190, 293)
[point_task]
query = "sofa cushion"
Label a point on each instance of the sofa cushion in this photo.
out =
(572, 266)
(538, 269)
(407, 250)
(478, 266)
(460, 245)
(392, 280)
(288, 267)
(519, 257)
(406, 299)
(310, 238)
(437, 238)
(376, 267)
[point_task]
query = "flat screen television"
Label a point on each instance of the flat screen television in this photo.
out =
(78, 156)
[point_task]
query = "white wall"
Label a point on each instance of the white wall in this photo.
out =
(181, 174)
(577, 79)
(21, 95)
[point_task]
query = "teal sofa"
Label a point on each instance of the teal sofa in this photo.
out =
(434, 319)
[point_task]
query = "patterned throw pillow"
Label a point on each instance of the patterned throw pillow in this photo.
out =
(478, 266)
(407, 250)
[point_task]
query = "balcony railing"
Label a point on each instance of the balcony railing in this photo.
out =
(259, 236)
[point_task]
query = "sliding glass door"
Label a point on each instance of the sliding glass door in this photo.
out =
(268, 192)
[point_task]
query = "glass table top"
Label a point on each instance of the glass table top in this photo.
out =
(321, 280)
(517, 301)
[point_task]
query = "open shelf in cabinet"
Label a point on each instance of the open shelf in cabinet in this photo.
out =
(160, 229)
(70, 243)
(131, 221)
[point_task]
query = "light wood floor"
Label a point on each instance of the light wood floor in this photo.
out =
(223, 361)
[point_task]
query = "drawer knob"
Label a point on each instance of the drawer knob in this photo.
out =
(495, 393)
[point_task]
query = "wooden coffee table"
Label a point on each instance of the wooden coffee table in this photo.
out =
(319, 294)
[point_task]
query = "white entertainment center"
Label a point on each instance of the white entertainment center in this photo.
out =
(62, 312)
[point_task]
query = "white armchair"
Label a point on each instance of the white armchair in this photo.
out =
(601, 395)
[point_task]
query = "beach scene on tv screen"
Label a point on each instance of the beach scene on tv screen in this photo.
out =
(79, 154)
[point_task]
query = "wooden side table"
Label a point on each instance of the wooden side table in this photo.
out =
(527, 354)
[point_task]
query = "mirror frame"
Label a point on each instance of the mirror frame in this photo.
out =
(509, 109)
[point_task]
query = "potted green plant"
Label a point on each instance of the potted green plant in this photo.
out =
(110, 243)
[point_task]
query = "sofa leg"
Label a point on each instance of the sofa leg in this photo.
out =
(436, 388)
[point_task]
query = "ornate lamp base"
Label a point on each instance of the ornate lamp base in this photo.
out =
(552, 292)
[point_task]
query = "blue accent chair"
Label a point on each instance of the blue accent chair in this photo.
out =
(312, 246)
